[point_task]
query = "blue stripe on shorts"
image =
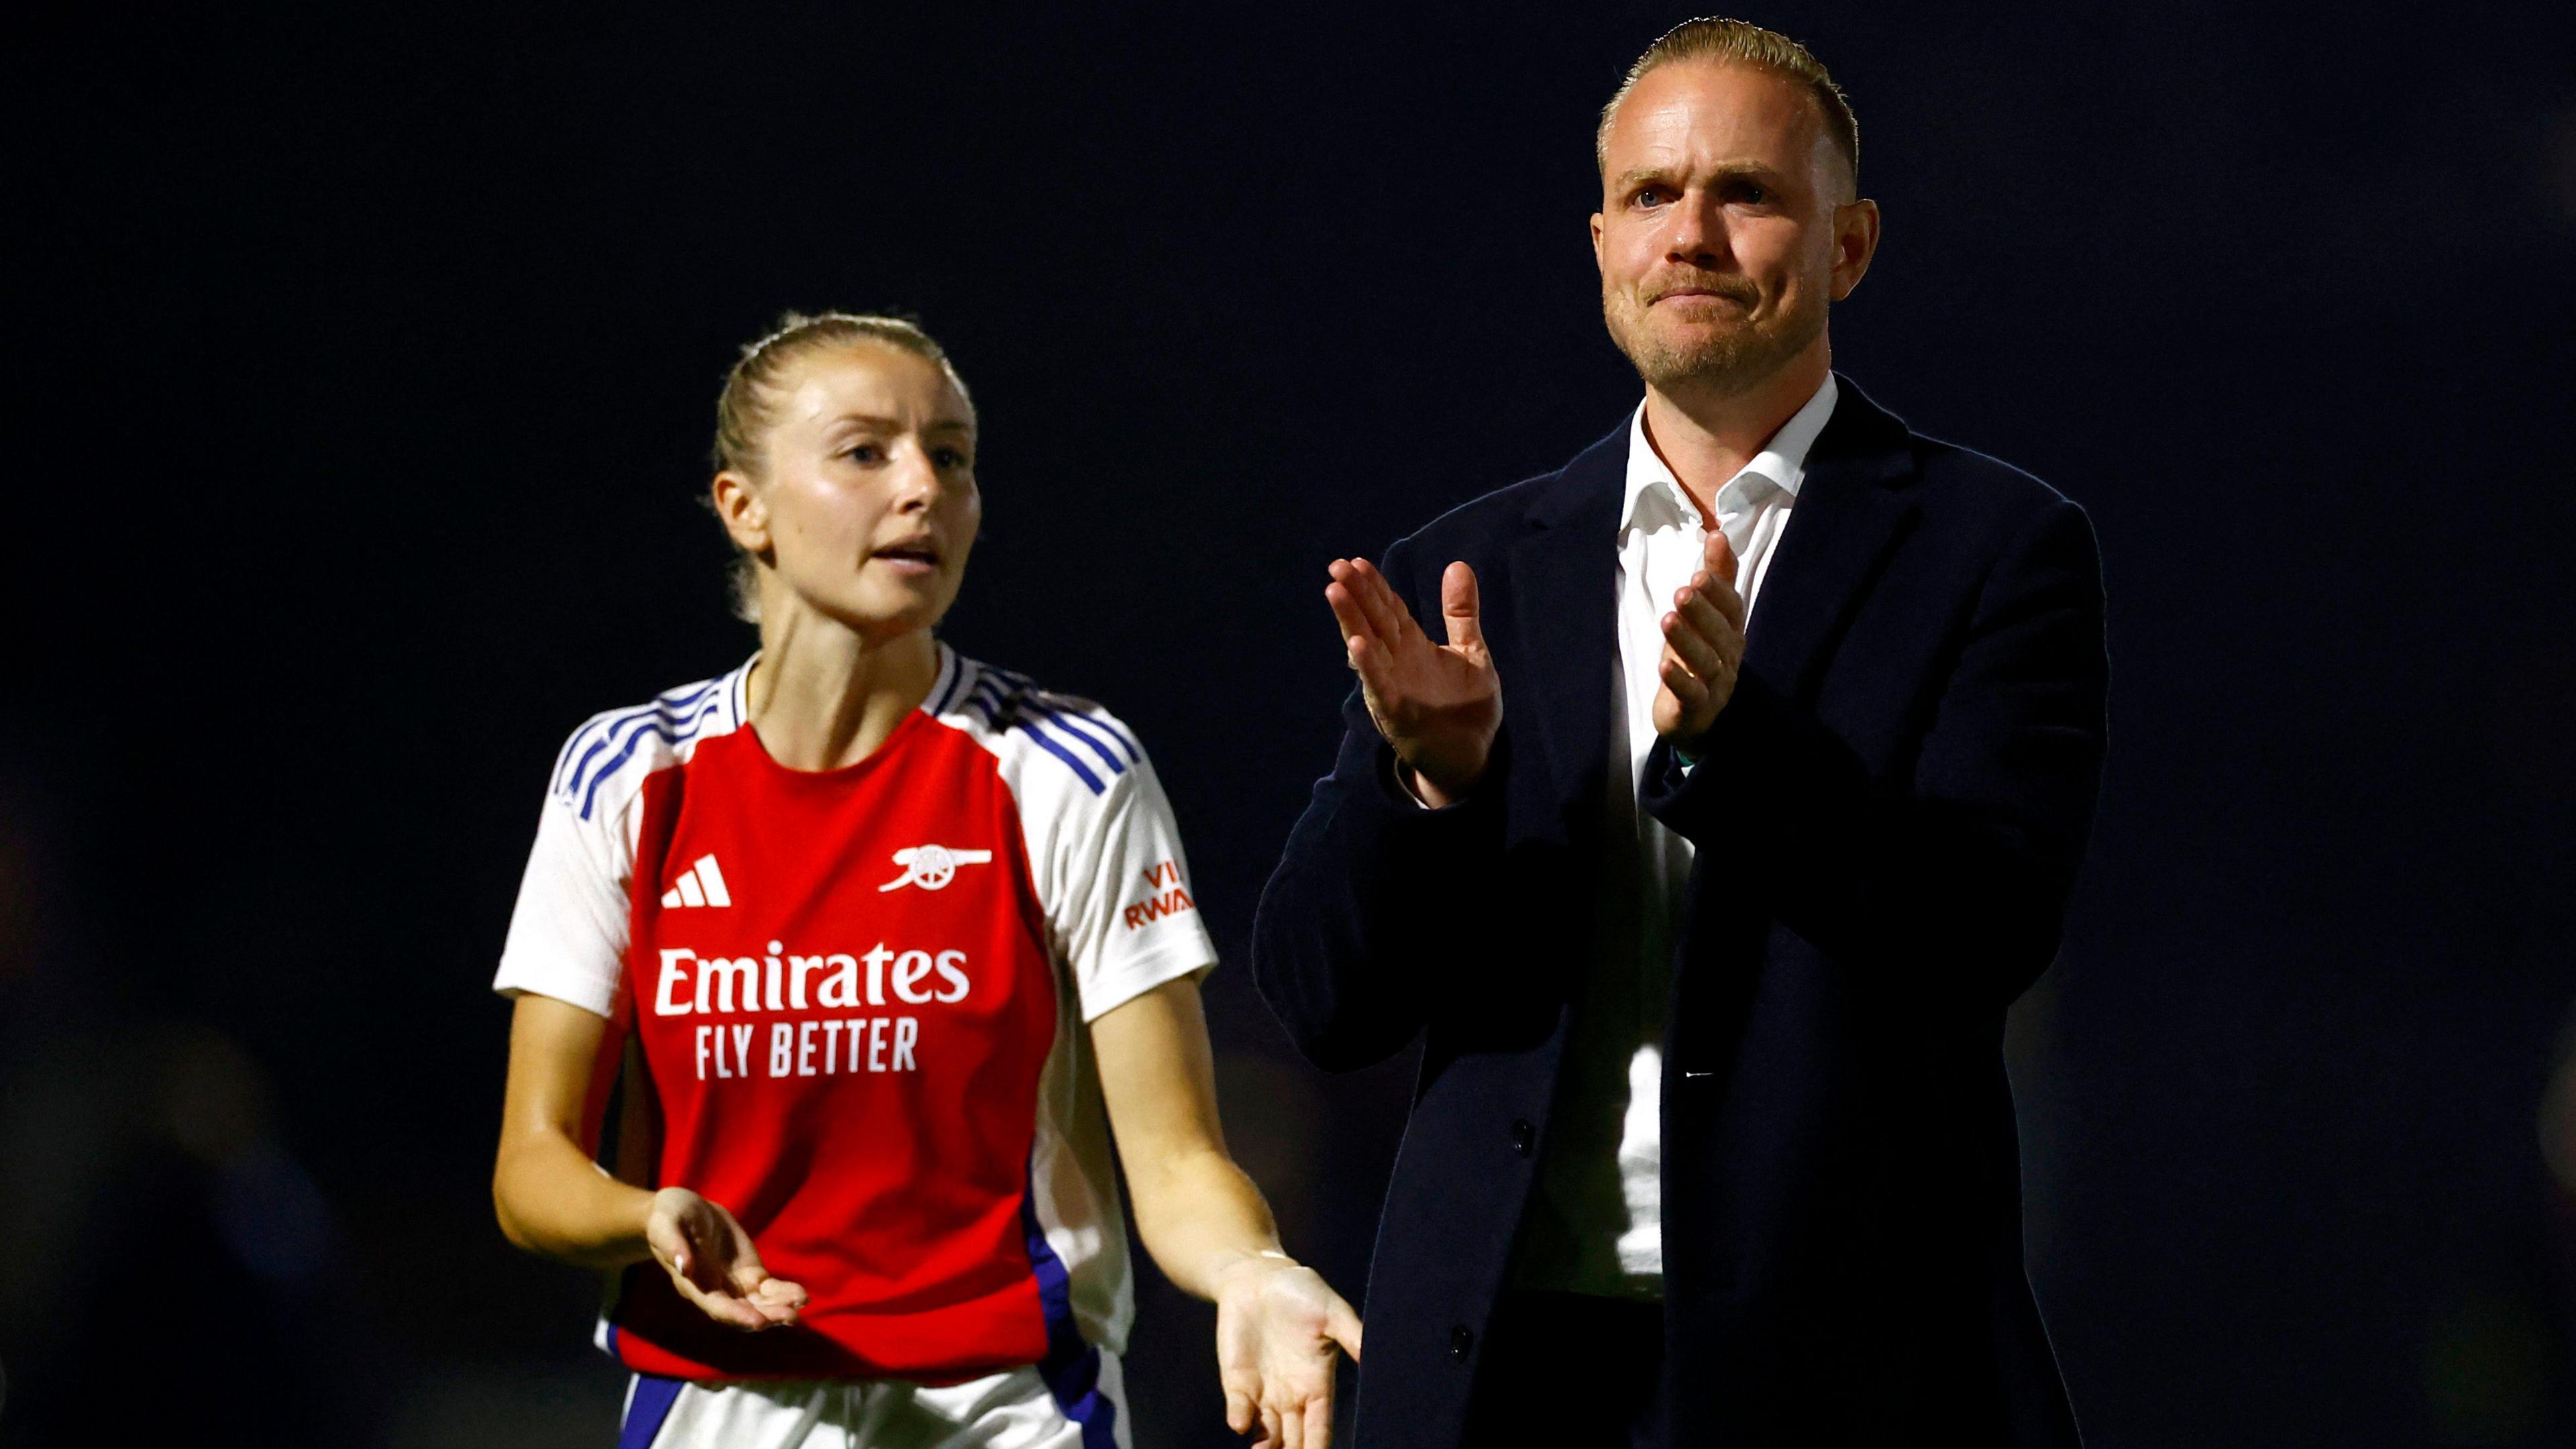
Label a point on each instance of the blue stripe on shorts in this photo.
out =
(650, 1405)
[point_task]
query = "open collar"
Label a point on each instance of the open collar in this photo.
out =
(1782, 460)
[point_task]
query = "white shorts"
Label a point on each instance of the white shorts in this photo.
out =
(1015, 1410)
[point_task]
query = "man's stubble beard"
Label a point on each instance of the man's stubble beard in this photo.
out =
(1732, 362)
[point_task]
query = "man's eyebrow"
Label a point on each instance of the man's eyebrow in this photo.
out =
(1758, 170)
(1637, 176)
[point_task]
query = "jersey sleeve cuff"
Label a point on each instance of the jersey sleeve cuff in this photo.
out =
(1133, 976)
(516, 980)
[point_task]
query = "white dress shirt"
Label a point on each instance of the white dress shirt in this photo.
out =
(1596, 1221)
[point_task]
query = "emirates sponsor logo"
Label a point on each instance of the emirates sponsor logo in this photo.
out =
(784, 981)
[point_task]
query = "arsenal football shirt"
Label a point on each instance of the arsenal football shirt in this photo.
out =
(860, 995)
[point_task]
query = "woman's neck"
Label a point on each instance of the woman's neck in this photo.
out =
(823, 696)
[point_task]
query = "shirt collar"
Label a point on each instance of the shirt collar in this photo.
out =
(1783, 460)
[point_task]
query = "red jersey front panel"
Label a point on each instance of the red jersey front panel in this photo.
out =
(859, 996)
(847, 1053)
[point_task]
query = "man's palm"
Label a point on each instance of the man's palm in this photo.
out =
(1703, 646)
(1439, 705)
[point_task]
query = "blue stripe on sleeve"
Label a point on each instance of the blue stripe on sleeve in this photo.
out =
(1117, 732)
(674, 737)
(663, 708)
(1103, 726)
(1072, 729)
(1061, 753)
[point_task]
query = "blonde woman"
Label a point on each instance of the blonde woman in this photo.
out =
(884, 942)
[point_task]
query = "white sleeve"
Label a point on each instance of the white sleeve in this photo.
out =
(1118, 895)
(568, 934)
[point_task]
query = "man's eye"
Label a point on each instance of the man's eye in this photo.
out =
(1650, 198)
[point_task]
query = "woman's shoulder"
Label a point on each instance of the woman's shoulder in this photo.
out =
(1032, 726)
(609, 755)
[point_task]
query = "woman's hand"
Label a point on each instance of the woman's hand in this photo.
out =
(713, 1264)
(1206, 1225)
(1277, 1323)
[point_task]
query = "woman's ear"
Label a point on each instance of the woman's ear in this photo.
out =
(739, 505)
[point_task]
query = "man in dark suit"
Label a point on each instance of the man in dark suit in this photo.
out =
(1708, 923)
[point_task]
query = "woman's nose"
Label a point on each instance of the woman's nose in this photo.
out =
(916, 479)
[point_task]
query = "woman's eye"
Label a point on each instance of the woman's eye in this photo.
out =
(865, 453)
(950, 458)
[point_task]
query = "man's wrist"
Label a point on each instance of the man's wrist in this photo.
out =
(1421, 791)
(1431, 794)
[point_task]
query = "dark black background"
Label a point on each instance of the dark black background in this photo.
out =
(363, 370)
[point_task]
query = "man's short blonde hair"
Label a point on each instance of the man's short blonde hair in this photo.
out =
(1743, 43)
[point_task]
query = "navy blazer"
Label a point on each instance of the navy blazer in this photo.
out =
(1888, 828)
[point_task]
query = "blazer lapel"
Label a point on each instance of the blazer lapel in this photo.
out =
(1565, 602)
(1847, 515)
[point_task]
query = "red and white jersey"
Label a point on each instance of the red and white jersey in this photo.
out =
(860, 995)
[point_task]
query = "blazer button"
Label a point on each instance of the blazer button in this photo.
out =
(1460, 1340)
(1524, 1136)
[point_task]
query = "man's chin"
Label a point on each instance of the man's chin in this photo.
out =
(1668, 348)
(1710, 347)
(1723, 366)
(1720, 361)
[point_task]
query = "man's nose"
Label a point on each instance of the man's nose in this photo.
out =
(1698, 235)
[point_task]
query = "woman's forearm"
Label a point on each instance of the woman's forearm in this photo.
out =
(553, 1200)
(550, 1197)
(1199, 1215)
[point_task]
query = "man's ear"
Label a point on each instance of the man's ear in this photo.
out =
(1855, 242)
(1596, 241)
(743, 511)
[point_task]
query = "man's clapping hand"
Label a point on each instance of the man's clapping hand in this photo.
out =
(1703, 647)
(1439, 705)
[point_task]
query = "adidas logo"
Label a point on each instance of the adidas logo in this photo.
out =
(700, 885)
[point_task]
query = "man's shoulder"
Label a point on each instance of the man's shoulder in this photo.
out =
(1974, 507)
(1963, 476)
(1485, 517)
(1867, 440)
(1489, 520)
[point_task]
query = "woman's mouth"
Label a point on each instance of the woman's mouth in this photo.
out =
(918, 557)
